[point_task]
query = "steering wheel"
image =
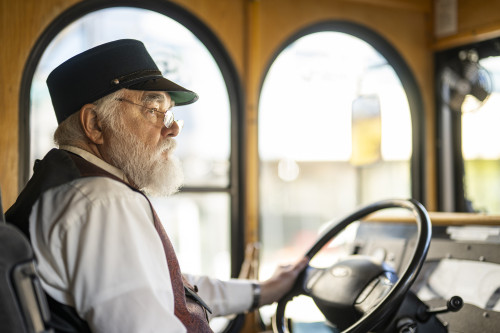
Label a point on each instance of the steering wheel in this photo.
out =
(359, 293)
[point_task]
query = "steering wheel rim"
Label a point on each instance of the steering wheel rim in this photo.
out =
(400, 288)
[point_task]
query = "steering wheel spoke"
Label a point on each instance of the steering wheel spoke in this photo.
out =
(376, 290)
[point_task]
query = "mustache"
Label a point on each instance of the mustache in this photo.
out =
(168, 144)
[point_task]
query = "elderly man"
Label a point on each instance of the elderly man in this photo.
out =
(104, 259)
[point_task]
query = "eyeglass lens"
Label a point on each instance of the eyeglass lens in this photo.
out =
(169, 119)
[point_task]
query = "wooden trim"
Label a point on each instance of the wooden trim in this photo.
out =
(441, 219)
(413, 5)
(468, 37)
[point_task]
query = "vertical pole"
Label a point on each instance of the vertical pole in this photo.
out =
(252, 83)
(252, 73)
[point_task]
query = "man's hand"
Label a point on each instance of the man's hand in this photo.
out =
(273, 289)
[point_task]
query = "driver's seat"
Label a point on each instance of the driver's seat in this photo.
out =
(23, 307)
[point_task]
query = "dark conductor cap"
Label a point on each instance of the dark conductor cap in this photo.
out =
(105, 69)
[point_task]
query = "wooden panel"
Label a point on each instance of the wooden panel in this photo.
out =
(477, 21)
(21, 24)
(440, 218)
(407, 31)
(414, 5)
(226, 19)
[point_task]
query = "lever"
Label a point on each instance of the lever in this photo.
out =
(454, 304)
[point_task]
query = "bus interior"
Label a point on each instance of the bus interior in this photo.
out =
(363, 134)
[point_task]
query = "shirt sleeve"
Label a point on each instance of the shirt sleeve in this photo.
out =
(99, 252)
(224, 297)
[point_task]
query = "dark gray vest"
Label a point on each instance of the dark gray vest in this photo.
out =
(59, 167)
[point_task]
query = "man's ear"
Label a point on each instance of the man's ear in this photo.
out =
(90, 124)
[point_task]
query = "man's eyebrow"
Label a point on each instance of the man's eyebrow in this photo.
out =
(154, 96)
(149, 97)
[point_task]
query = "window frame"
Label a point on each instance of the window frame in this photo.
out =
(450, 161)
(403, 71)
(233, 85)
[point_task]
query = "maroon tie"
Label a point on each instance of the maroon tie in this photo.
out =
(189, 310)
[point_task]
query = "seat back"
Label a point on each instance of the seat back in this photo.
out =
(23, 307)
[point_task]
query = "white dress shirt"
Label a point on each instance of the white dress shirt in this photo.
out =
(98, 251)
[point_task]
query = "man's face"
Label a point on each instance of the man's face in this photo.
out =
(146, 125)
(142, 146)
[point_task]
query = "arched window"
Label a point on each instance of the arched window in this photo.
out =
(338, 117)
(203, 220)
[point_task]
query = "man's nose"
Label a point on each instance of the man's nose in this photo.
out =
(171, 131)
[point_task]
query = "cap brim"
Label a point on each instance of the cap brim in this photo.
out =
(180, 95)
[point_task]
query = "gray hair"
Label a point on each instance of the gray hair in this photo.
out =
(70, 131)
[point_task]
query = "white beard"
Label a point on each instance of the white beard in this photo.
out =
(154, 170)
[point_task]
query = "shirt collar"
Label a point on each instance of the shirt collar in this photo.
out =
(96, 161)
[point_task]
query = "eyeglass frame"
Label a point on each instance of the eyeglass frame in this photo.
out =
(168, 115)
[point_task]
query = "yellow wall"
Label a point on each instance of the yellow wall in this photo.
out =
(477, 20)
(252, 31)
(21, 23)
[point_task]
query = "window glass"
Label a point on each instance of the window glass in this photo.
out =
(184, 59)
(480, 148)
(193, 221)
(334, 133)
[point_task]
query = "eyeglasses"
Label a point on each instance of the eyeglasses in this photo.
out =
(168, 115)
